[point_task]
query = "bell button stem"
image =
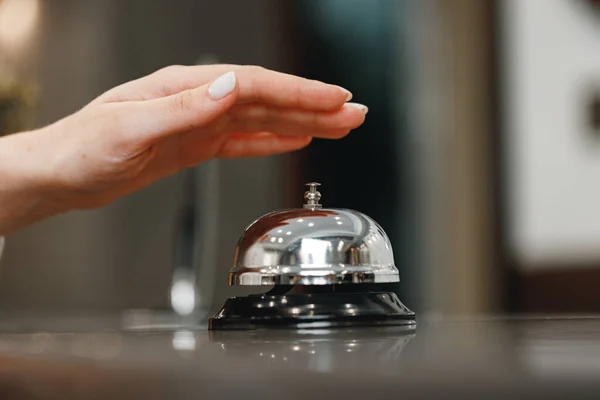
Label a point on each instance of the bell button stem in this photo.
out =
(312, 196)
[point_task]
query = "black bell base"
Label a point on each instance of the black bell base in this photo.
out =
(274, 310)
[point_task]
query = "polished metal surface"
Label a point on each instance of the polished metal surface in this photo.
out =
(313, 246)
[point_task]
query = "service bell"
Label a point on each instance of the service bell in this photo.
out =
(319, 260)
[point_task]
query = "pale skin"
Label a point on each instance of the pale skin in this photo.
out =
(147, 129)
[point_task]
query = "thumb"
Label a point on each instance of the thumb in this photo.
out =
(190, 109)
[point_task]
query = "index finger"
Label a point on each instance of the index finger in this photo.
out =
(257, 84)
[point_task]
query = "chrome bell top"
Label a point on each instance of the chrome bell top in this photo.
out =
(313, 246)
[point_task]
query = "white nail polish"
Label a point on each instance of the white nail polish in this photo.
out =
(348, 93)
(222, 86)
(361, 107)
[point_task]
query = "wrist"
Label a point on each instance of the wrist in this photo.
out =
(26, 192)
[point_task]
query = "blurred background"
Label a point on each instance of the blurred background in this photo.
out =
(479, 157)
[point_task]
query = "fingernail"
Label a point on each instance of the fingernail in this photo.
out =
(348, 93)
(222, 86)
(361, 107)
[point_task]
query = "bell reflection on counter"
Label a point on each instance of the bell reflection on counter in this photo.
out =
(318, 348)
(329, 268)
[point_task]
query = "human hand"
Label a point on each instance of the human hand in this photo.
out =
(177, 117)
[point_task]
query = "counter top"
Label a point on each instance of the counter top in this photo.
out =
(100, 357)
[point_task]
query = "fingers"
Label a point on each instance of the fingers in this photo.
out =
(261, 144)
(152, 120)
(288, 91)
(256, 84)
(329, 124)
(248, 100)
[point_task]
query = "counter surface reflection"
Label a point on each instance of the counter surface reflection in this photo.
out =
(96, 357)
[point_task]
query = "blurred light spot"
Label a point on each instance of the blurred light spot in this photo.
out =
(311, 224)
(183, 297)
(17, 20)
(280, 240)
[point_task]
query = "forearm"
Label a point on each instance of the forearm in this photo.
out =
(25, 193)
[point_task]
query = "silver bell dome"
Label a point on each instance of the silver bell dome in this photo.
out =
(313, 246)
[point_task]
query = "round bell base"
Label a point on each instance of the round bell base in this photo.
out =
(283, 308)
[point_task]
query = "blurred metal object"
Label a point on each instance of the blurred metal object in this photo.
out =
(195, 258)
(195, 255)
(313, 246)
(2, 241)
(207, 233)
(183, 291)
